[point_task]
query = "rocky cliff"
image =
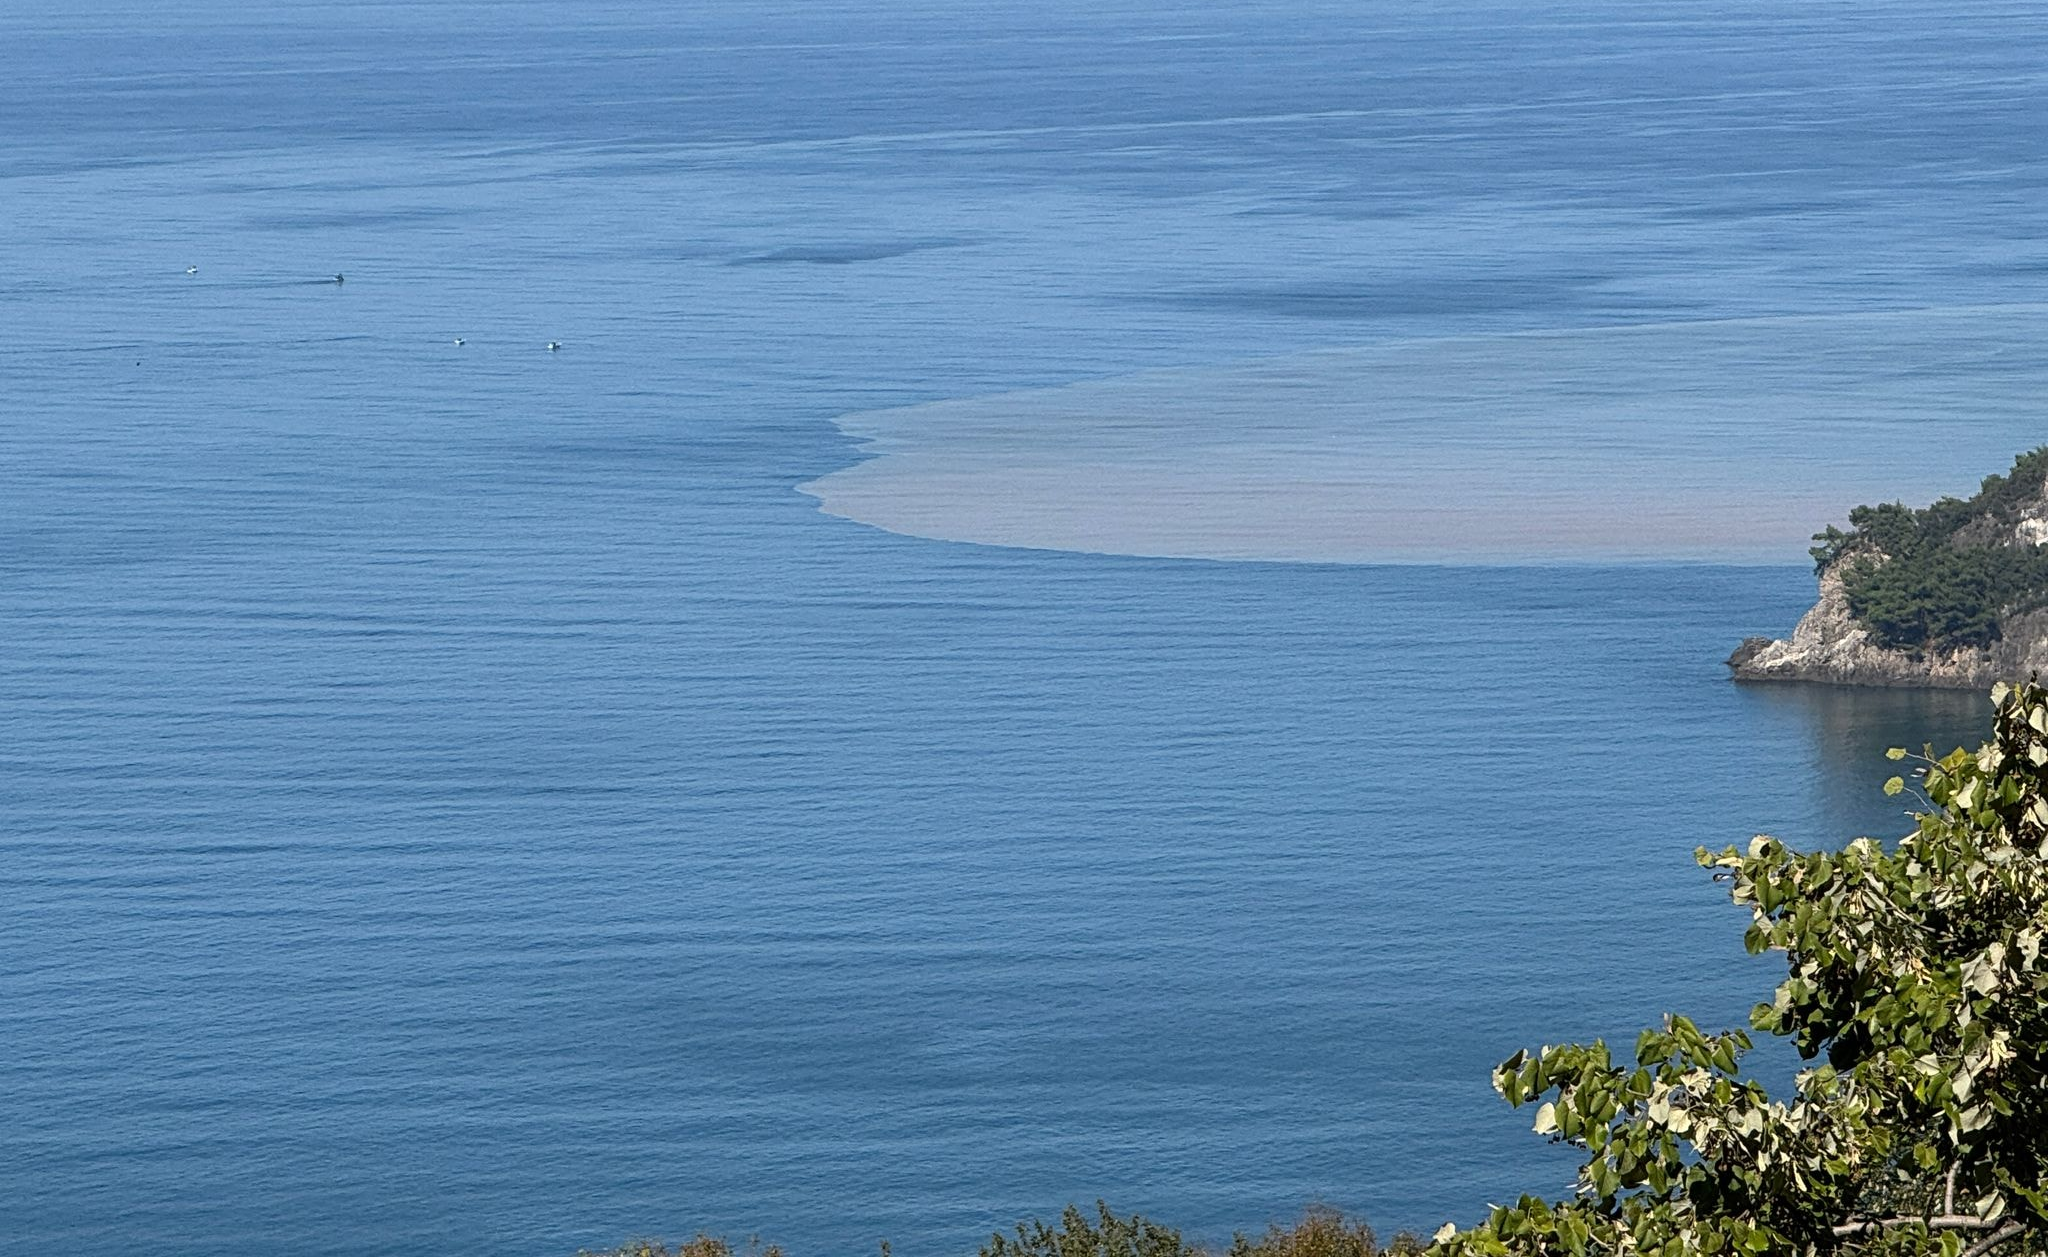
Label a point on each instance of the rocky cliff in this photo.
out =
(1832, 646)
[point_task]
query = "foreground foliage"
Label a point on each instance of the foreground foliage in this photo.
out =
(703, 1246)
(1320, 1233)
(1944, 575)
(1915, 980)
(1324, 1233)
(1078, 1236)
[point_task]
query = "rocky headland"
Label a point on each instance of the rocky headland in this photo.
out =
(1952, 596)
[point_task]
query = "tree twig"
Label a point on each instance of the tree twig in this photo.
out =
(1944, 1222)
(1993, 1240)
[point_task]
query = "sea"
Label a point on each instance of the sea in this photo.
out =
(853, 620)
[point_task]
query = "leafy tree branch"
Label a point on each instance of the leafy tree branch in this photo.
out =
(1914, 983)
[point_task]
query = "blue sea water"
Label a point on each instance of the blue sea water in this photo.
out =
(467, 797)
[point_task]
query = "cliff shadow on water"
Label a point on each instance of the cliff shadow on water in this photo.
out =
(1850, 727)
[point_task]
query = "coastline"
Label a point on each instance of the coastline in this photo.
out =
(1829, 647)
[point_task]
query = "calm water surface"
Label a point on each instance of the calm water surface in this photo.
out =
(467, 797)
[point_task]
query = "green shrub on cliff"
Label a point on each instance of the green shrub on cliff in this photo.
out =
(1945, 575)
(1106, 1235)
(1917, 980)
(1322, 1232)
(702, 1246)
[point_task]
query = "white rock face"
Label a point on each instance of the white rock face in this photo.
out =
(1829, 646)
